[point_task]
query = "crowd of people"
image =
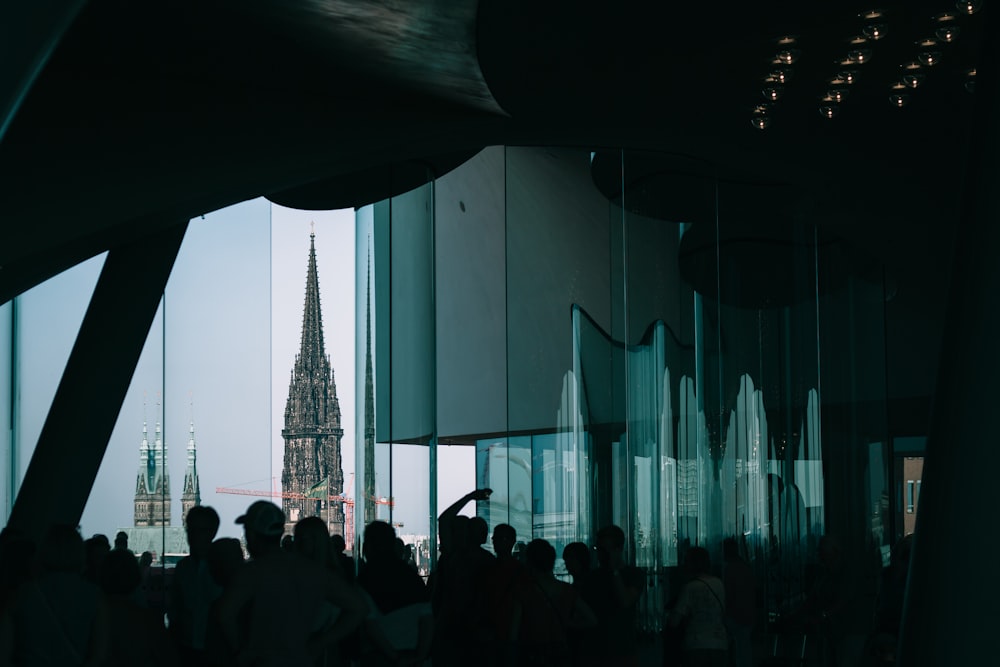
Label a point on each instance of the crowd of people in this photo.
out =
(276, 599)
(300, 600)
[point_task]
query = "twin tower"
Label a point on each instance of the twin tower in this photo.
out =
(312, 470)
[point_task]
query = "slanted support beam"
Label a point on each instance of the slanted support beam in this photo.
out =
(83, 413)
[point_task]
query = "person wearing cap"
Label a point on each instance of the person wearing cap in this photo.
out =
(282, 595)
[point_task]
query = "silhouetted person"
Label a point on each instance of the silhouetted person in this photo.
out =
(121, 541)
(95, 548)
(137, 635)
(384, 576)
(449, 518)
(143, 593)
(546, 611)
(741, 597)
(193, 590)
(282, 596)
(399, 596)
(576, 556)
(312, 542)
(17, 554)
(701, 607)
(338, 547)
(225, 558)
(614, 595)
(502, 583)
(288, 543)
(408, 558)
(59, 618)
(459, 595)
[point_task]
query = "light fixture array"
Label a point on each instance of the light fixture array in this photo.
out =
(774, 81)
(860, 51)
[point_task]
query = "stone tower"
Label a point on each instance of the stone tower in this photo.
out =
(312, 430)
(152, 486)
(191, 495)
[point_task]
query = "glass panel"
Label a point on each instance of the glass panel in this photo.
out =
(559, 305)
(46, 320)
(196, 418)
(851, 323)
(6, 410)
(413, 354)
(764, 425)
(658, 201)
(470, 275)
(397, 460)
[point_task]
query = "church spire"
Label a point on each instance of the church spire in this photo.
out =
(312, 352)
(191, 495)
(151, 505)
(312, 430)
(369, 491)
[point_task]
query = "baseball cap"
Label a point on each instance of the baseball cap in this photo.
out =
(264, 518)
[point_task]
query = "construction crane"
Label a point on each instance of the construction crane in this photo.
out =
(344, 498)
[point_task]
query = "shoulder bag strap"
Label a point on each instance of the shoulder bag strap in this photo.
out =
(713, 594)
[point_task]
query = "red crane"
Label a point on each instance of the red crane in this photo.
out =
(339, 498)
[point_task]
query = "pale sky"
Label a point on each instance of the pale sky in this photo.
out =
(233, 323)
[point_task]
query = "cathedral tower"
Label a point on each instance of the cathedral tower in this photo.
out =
(152, 486)
(312, 430)
(191, 495)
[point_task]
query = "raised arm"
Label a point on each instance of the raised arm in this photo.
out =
(448, 516)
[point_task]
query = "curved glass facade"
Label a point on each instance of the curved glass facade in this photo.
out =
(597, 329)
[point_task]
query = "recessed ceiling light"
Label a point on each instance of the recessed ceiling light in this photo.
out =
(870, 14)
(929, 58)
(969, 6)
(760, 122)
(786, 40)
(828, 111)
(946, 17)
(860, 56)
(786, 57)
(778, 76)
(913, 80)
(874, 31)
(899, 101)
(836, 95)
(947, 33)
(927, 42)
(911, 66)
(771, 94)
(898, 86)
(858, 39)
(848, 77)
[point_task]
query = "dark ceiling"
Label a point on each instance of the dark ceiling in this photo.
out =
(150, 113)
